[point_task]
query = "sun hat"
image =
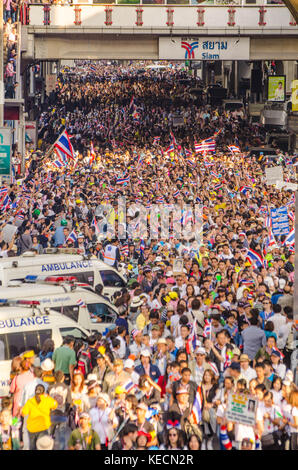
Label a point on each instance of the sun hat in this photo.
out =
(244, 357)
(45, 443)
(47, 365)
(105, 397)
(136, 302)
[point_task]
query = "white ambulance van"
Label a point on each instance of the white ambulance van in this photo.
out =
(23, 327)
(76, 301)
(59, 262)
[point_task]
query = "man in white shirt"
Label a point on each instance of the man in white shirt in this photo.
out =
(284, 331)
(121, 336)
(246, 371)
(278, 318)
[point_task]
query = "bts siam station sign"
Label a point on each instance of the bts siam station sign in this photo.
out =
(211, 48)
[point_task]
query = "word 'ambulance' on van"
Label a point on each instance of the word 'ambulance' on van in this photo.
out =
(76, 301)
(102, 277)
(23, 327)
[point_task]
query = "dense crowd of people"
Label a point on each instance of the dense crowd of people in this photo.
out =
(201, 316)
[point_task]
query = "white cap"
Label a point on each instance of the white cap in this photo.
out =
(47, 365)
(145, 353)
(128, 364)
(200, 351)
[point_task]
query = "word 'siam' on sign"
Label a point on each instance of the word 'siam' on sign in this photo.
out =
(221, 48)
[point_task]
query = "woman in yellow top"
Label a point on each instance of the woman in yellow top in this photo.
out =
(38, 409)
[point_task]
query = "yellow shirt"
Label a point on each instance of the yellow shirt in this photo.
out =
(141, 322)
(39, 413)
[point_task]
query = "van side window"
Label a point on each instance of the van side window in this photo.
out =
(87, 277)
(70, 311)
(111, 279)
(14, 344)
(76, 332)
(101, 312)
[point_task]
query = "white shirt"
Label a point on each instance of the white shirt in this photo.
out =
(278, 321)
(248, 374)
(289, 413)
(100, 422)
(268, 426)
(122, 350)
(283, 334)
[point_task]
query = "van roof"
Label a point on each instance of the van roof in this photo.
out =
(29, 290)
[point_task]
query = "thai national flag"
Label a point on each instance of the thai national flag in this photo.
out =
(255, 258)
(81, 303)
(94, 224)
(190, 162)
(124, 250)
(6, 203)
(224, 438)
(61, 156)
(290, 238)
(234, 149)
(245, 189)
(64, 145)
(72, 237)
(196, 411)
(174, 142)
(160, 200)
(188, 153)
(58, 164)
(156, 140)
(3, 193)
(176, 193)
(124, 180)
(207, 328)
(208, 145)
(170, 148)
(128, 386)
(142, 246)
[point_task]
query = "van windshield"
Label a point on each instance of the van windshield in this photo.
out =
(101, 313)
(73, 331)
(111, 279)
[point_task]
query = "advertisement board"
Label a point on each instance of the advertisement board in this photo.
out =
(5, 151)
(276, 88)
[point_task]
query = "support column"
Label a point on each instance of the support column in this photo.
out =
(289, 70)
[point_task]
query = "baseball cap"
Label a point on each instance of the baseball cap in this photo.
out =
(129, 363)
(145, 353)
(200, 351)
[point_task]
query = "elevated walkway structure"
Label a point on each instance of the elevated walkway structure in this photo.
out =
(157, 32)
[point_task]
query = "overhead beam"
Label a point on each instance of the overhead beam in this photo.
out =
(292, 5)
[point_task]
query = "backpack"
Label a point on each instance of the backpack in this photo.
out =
(84, 362)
